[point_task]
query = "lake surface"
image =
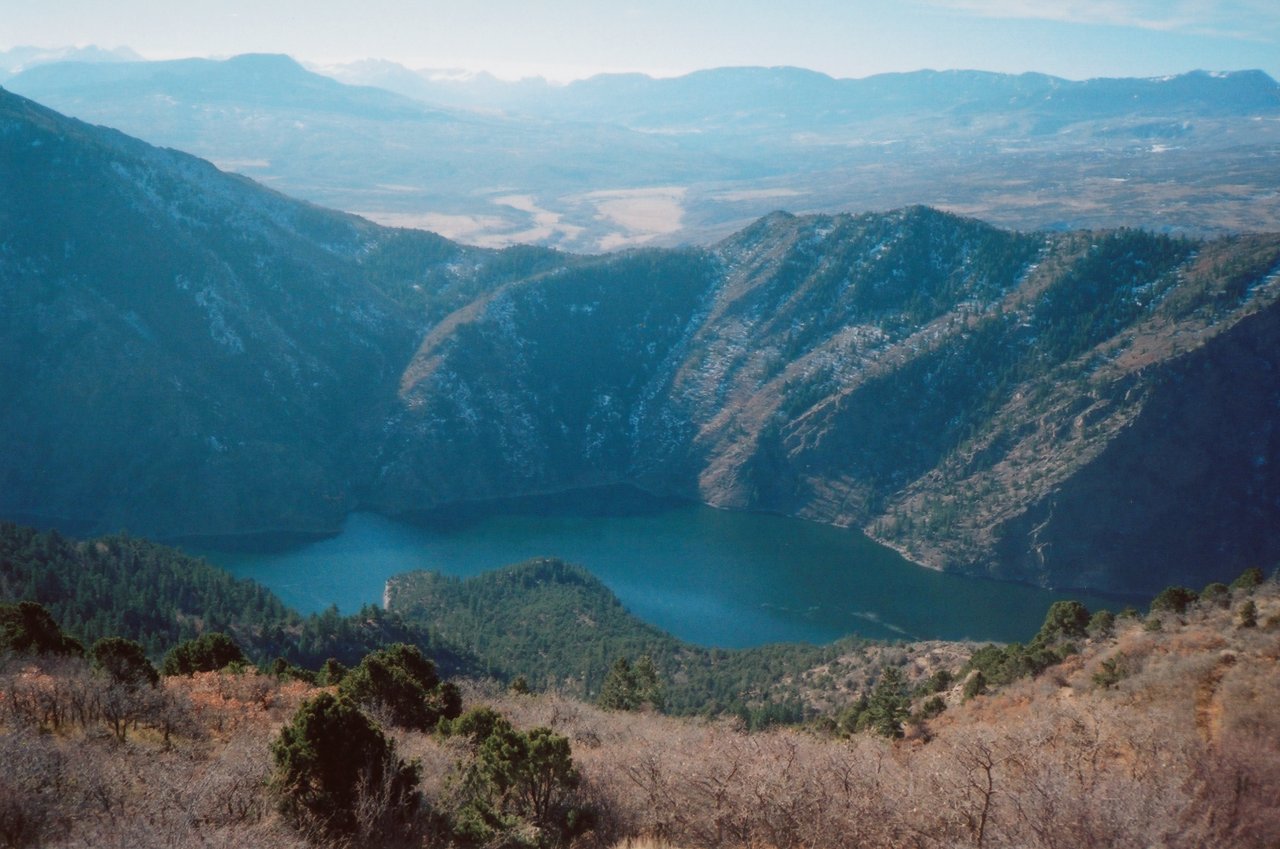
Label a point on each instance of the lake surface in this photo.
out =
(712, 577)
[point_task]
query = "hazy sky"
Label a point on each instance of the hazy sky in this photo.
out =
(563, 39)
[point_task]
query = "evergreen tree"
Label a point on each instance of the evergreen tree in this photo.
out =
(331, 673)
(330, 756)
(1216, 593)
(27, 627)
(649, 687)
(975, 685)
(1101, 624)
(206, 653)
(1173, 599)
(629, 687)
(1248, 580)
(618, 692)
(1065, 620)
(514, 779)
(888, 706)
(1248, 614)
(124, 661)
(402, 684)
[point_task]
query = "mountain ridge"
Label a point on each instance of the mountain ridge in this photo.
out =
(369, 72)
(185, 353)
(197, 285)
(632, 161)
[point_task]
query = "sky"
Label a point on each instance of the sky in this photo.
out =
(568, 39)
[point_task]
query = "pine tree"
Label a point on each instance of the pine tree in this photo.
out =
(206, 653)
(619, 689)
(401, 683)
(888, 707)
(124, 661)
(330, 756)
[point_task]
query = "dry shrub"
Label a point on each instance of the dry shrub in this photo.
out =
(708, 784)
(225, 701)
(226, 789)
(63, 695)
(1184, 751)
(642, 843)
(23, 817)
(34, 774)
(1048, 762)
(1234, 787)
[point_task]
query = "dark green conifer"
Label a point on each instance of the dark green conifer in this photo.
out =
(206, 653)
(27, 627)
(400, 683)
(124, 661)
(330, 756)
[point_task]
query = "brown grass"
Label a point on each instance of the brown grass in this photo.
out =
(1182, 752)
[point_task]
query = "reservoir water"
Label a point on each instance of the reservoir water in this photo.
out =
(712, 577)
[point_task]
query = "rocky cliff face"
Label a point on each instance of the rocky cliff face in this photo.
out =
(182, 351)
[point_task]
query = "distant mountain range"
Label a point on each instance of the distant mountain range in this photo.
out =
(750, 97)
(625, 160)
(185, 352)
(18, 59)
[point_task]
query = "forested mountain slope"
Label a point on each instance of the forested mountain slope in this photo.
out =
(157, 596)
(184, 352)
(1048, 408)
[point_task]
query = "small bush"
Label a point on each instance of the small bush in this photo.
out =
(932, 707)
(1249, 580)
(936, 683)
(1173, 600)
(975, 685)
(283, 670)
(1111, 671)
(1001, 665)
(1216, 594)
(1101, 625)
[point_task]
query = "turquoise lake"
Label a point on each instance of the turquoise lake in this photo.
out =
(712, 577)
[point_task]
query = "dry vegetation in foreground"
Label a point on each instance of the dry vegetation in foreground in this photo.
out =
(1163, 735)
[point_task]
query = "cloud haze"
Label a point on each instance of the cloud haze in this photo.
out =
(1246, 19)
(565, 39)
